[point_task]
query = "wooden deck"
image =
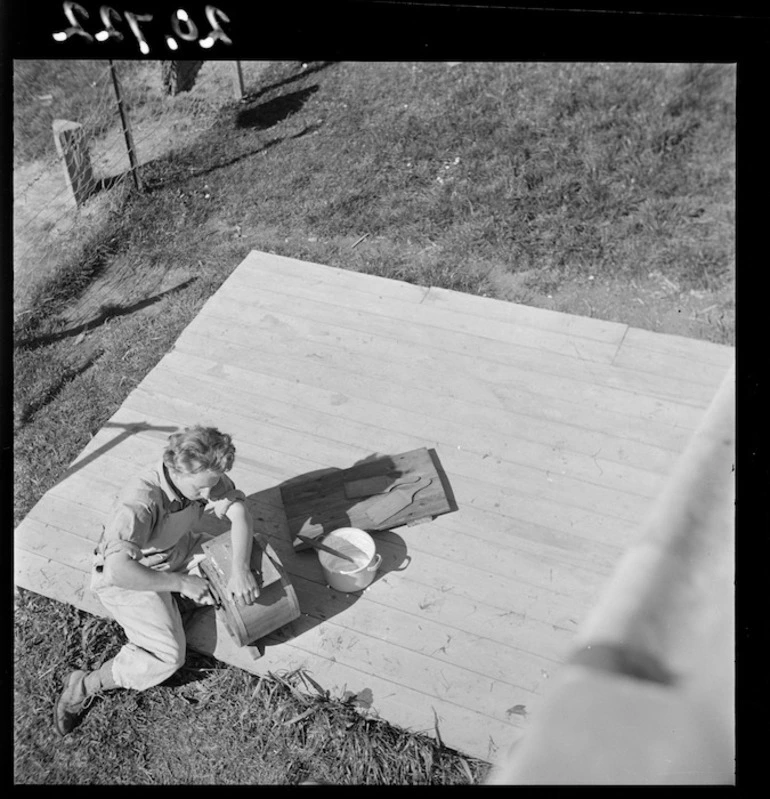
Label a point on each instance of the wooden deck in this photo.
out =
(555, 432)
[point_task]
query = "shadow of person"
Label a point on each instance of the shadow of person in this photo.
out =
(271, 112)
(107, 311)
(318, 602)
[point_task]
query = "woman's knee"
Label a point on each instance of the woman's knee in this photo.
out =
(165, 671)
(172, 655)
(166, 664)
(140, 668)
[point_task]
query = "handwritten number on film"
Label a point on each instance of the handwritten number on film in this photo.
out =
(182, 26)
(108, 15)
(75, 28)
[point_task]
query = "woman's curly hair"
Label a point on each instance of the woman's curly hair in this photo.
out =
(199, 449)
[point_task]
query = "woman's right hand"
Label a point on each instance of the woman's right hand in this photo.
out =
(197, 589)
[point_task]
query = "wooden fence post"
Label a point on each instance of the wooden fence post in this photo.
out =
(179, 76)
(73, 150)
(238, 81)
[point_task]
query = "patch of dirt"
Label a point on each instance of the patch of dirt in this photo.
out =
(652, 303)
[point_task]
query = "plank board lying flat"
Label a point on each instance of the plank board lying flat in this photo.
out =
(555, 433)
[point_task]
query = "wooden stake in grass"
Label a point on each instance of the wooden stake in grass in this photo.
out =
(321, 691)
(435, 726)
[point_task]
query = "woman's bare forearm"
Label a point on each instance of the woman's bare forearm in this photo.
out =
(241, 534)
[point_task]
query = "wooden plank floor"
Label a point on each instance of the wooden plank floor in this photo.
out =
(555, 432)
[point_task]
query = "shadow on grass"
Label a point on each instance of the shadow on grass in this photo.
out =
(28, 410)
(107, 312)
(163, 182)
(273, 111)
(266, 146)
(250, 98)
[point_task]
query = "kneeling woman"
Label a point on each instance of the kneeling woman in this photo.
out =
(149, 552)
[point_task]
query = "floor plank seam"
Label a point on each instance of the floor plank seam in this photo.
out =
(606, 361)
(282, 540)
(432, 290)
(519, 546)
(590, 377)
(292, 264)
(482, 453)
(629, 522)
(515, 414)
(191, 350)
(526, 472)
(497, 642)
(237, 297)
(494, 486)
(620, 344)
(295, 641)
(460, 667)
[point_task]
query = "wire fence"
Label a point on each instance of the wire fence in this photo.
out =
(109, 118)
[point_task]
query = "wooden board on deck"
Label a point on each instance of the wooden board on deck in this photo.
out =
(382, 493)
(555, 433)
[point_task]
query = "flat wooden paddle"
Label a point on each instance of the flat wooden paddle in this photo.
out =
(319, 545)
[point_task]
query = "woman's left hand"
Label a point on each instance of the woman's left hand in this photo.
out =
(242, 586)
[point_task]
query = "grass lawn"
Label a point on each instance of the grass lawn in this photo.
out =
(597, 189)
